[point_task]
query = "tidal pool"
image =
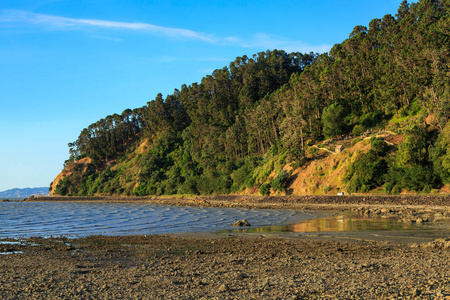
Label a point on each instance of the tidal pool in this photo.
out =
(348, 225)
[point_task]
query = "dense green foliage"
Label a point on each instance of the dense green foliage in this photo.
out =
(333, 120)
(370, 168)
(440, 155)
(221, 135)
(412, 169)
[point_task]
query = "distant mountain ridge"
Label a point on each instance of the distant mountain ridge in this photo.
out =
(26, 192)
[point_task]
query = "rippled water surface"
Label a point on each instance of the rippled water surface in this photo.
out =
(26, 219)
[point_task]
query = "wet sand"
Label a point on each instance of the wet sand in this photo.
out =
(230, 266)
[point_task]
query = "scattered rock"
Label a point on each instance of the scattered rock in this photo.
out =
(241, 223)
(223, 288)
(436, 244)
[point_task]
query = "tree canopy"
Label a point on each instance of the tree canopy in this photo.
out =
(210, 137)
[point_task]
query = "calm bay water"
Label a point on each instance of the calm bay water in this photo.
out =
(78, 219)
(75, 219)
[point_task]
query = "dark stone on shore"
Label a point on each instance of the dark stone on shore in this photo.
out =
(223, 288)
(241, 223)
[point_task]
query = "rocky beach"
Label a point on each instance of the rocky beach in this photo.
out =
(165, 267)
(230, 266)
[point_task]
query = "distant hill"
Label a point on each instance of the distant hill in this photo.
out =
(26, 192)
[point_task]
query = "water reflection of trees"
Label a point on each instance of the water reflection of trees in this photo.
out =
(333, 224)
(343, 223)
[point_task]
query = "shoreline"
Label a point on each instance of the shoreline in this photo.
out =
(189, 267)
(252, 201)
(229, 266)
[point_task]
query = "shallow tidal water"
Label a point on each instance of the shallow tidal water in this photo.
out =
(78, 219)
(349, 226)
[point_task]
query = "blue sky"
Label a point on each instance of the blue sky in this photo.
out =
(65, 64)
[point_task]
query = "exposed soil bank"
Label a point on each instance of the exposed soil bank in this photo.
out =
(167, 267)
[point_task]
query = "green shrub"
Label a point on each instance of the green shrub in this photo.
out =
(367, 172)
(372, 119)
(414, 150)
(265, 189)
(379, 146)
(313, 151)
(278, 183)
(416, 178)
(333, 120)
(440, 154)
(189, 187)
(358, 130)
(243, 176)
(396, 190)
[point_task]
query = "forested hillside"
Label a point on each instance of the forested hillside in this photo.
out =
(255, 124)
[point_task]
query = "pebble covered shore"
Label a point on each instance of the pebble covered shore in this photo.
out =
(236, 266)
(165, 267)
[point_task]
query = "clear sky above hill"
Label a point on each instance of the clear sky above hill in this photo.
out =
(65, 64)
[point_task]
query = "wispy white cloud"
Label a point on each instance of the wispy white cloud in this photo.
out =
(107, 38)
(63, 23)
(265, 41)
(260, 41)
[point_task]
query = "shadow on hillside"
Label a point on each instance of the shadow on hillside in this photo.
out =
(289, 182)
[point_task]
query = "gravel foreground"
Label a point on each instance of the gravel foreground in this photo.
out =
(234, 266)
(170, 267)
